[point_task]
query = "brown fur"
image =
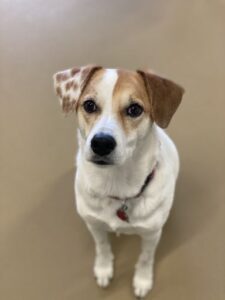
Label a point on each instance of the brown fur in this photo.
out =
(69, 104)
(66, 103)
(128, 89)
(69, 85)
(61, 77)
(164, 97)
(159, 97)
(87, 74)
(75, 85)
(88, 120)
(59, 91)
(90, 86)
(74, 71)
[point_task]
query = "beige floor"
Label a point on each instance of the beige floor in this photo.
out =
(46, 251)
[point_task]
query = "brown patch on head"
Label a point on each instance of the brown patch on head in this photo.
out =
(86, 120)
(129, 89)
(90, 88)
(87, 75)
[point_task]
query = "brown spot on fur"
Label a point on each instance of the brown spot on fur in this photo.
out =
(59, 91)
(69, 106)
(66, 103)
(75, 85)
(61, 77)
(72, 105)
(68, 85)
(74, 71)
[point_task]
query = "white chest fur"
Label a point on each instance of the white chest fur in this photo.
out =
(94, 184)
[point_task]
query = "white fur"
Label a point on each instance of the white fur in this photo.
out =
(136, 156)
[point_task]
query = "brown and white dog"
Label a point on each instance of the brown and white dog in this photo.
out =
(126, 164)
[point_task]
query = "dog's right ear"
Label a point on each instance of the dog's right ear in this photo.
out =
(69, 85)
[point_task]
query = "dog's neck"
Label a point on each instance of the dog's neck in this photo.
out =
(124, 180)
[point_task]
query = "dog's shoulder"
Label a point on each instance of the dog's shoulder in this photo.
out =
(169, 156)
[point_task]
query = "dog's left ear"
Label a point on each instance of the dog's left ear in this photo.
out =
(164, 96)
(70, 84)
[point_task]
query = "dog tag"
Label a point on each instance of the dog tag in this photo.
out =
(122, 213)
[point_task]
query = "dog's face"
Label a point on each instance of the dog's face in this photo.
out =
(113, 115)
(115, 108)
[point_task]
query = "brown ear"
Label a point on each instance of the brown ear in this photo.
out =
(164, 96)
(70, 84)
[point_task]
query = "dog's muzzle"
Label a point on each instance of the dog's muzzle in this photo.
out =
(102, 145)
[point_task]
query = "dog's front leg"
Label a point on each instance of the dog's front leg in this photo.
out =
(103, 265)
(143, 276)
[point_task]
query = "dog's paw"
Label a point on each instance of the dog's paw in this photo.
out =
(141, 285)
(103, 272)
(103, 275)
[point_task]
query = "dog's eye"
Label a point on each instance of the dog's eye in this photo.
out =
(134, 110)
(90, 106)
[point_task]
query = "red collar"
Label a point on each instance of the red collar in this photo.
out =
(148, 179)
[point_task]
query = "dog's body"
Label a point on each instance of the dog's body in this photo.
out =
(120, 145)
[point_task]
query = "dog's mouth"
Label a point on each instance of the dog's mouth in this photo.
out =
(102, 161)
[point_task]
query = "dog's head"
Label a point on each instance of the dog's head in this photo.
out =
(115, 108)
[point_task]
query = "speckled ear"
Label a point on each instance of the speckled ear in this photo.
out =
(164, 96)
(69, 85)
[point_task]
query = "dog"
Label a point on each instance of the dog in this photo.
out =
(127, 165)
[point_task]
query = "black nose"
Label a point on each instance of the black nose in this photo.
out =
(103, 144)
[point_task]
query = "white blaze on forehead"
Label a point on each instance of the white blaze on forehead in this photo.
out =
(105, 88)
